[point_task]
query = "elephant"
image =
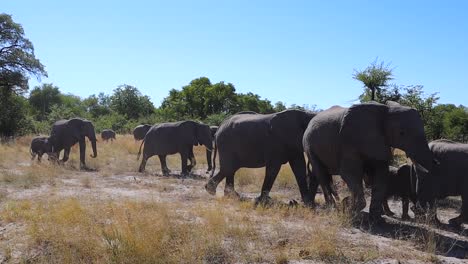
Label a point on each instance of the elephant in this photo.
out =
(177, 137)
(213, 130)
(107, 134)
(66, 133)
(447, 178)
(348, 141)
(402, 185)
(140, 131)
(39, 146)
(251, 140)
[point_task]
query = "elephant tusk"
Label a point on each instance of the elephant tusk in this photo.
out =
(420, 167)
(207, 148)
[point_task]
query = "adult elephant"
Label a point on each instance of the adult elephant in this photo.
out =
(447, 178)
(66, 133)
(348, 141)
(140, 131)
(107, 134)
(213, 130)
(171, 138)
(251, 140)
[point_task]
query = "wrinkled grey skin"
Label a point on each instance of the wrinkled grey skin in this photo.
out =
(107, 134)
(66, 133)
(39, 146)
(213, 130)
(251, 140)
(140, 131)
(401, 184)
(171, 138)
(346, 141)
(447, 178)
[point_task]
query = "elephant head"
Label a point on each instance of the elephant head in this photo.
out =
(87, 130)
(203, 136)
(374, 128)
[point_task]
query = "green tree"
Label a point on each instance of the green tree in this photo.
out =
(42, 98)
(97, 106)
(17, 62)
(17, 59)
(129, 102)
(279, 106)
(374, 77)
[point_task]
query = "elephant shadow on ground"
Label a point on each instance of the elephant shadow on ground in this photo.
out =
(178, 175)
(424, 237)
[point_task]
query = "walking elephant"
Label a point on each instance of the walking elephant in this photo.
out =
(170, 138)
(140, 131)
(251, 140)
(107, 134)
(66, 133)
(346, 141)
(449, 177)
(39, 146)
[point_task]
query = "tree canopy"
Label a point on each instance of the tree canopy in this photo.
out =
(375, 77)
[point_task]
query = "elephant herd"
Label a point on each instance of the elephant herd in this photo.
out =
(356, 143)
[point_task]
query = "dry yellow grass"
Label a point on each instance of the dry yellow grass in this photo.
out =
(116, 215)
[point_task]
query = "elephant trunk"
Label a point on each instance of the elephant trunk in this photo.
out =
(423, 165)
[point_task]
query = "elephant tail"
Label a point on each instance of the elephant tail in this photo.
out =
(139, 151)
(214, 158)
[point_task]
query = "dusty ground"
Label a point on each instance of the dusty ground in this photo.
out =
(60, 214)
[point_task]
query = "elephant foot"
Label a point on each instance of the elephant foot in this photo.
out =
(264, 201)
(210, 187)
(190, 167)
(165, 173)
(231, 193)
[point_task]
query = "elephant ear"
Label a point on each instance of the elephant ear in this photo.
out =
(363, 129)
(289, 126)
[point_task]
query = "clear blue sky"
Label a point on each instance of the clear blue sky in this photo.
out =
(301, 52)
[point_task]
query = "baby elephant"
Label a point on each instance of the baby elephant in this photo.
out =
(402, 184)
(39, 146)
(107, 134)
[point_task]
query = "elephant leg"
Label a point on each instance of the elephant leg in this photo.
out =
(271, 171)
(386, 208)
(184, 155)
(229, 190)
(405, 208)
(463, 217)
(352, 173)
(298, 167)
(66, 155)
(143, 162)
(39, 157)
(320, 176)
(379, 189)
(191, 157)
(213, 182)
(33, 156)
(165, 170)
(82, 144)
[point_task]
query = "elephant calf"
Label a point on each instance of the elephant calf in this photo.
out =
(402, 184)
(449, 177)
(107, 134)
(39, 146)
